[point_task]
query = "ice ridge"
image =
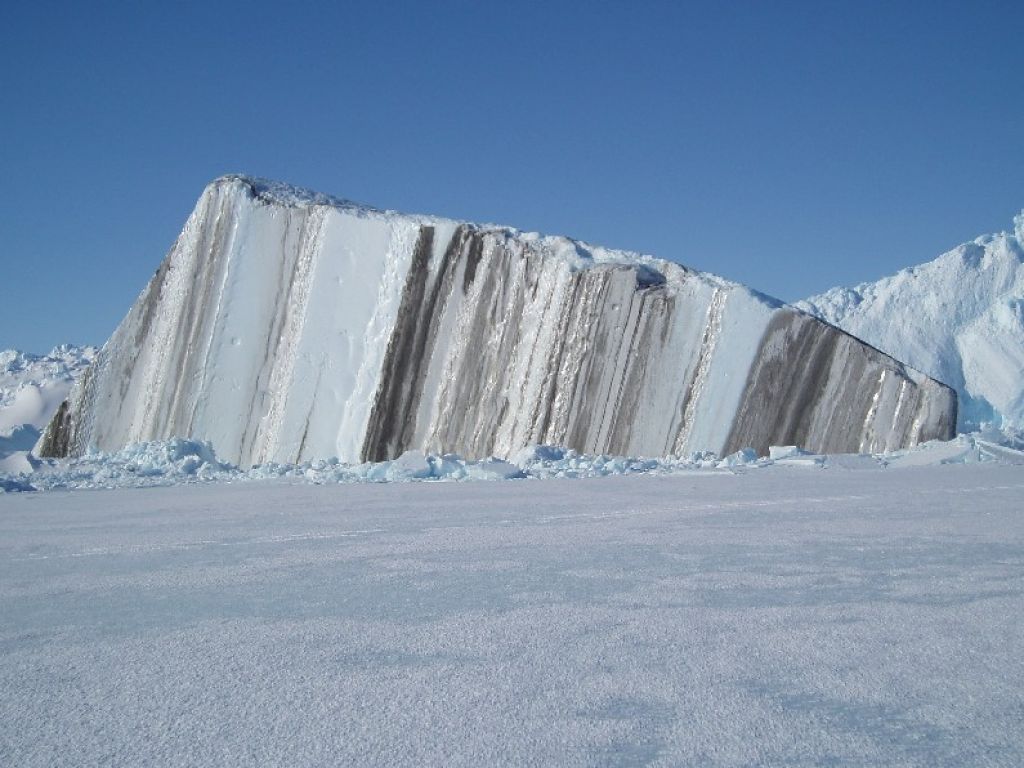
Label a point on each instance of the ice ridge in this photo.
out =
(958, 318)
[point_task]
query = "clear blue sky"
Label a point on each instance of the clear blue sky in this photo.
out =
(788, 146)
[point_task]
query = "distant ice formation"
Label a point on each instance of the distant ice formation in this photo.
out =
(285, 326)
(959, 318)
(32, 387)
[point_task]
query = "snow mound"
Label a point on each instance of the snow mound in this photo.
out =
(181, 462)
(63, 364)
(959, 319)
(14, 485)
(964, 449)
(32, 387)
(168, 462)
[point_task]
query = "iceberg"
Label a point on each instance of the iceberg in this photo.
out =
(285, 326)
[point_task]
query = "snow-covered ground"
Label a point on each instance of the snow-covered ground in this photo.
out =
(779, 615)
(793, 609)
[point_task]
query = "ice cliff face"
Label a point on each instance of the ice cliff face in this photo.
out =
(959, 318)
(285, 325)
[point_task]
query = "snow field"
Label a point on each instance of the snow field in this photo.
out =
(774, 617)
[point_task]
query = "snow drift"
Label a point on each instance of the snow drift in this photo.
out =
(959, 318)
(32, 387)
(285, 325)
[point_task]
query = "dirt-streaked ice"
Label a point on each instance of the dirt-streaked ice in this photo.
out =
(285, 326)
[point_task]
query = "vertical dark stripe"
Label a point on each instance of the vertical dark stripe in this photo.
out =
(392, 423)
(786, 390)
(56, 438)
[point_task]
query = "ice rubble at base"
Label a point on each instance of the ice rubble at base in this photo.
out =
(179, 461)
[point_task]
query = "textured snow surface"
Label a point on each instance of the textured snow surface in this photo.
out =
(286, 326)
(959, 318)
(774, 617)
(32, 387)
